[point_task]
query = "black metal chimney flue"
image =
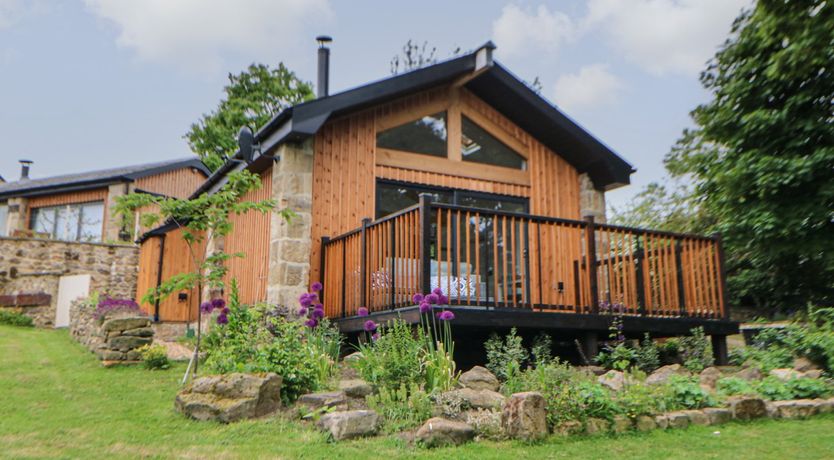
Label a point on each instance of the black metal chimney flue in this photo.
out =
(322, 87)
(24, 169)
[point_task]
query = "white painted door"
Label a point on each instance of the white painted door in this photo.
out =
(69, 288)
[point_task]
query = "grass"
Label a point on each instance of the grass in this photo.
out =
(57, 401)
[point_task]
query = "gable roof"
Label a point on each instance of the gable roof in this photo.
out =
(494, 84)
(94, 179)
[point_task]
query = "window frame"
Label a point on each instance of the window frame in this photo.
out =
(78, 224)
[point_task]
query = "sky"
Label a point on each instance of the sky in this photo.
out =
(91, 84)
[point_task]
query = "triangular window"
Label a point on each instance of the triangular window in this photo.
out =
(479, 146)
(426, 135)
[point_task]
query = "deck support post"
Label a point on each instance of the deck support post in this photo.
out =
(719, 349)
(425, 242)
(591, 247)
(363, 267)
(590, 346)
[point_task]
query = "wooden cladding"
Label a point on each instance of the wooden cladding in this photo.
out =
(176, 259)
(84, 196)
(347, 164)
(508, 260)
(179, 183)
(250, 237)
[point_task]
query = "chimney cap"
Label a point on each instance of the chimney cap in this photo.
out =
(324, 40)
(25, 162)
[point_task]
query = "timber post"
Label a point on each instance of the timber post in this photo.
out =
(425, 242)
(591, 247)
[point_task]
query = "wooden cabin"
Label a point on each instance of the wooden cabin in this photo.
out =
(456, 176)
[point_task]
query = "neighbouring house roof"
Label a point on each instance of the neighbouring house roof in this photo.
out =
(94, 179)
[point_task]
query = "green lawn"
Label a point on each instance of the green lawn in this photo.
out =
(57, 401)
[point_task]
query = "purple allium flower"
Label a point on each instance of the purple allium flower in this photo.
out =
(218, 303)
(225, 310)
(432, 298)
(222, 319)
(437, 291)
(318, 314)
(316, 286)
(362, 311)
(206, 307)
(418, 298)
(375, 337)
(311, 323)
(319, 306)
(446, 316)
(302, 311)
(442, 300)
(370, 326)
(425, 307)
(313, 296)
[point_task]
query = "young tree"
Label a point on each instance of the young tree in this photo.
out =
(762, 153)
(658, 206)
(252, 98)
(203, 220)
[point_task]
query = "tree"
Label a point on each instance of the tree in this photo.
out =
(659, 207)
(762, 153)
(203, 220)
(252, 98)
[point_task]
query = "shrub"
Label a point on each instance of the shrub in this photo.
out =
(648, 355)
(774, 389)
(619, 357)
(765, 359)
(154, 356)
(13, 318)
(686, 393)
(636, 400)
(552, 374)
(507, 356)
(401, 408)
(669, 351)
(542, 349)
(814, 338)
(804, 388)
(731, 386)
(696, 351)
(394, 359)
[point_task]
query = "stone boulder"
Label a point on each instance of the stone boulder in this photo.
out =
(594, 426)
(230, 397)
(746, 407)
(802, 364)
(349, 424)
(824, 406)
(324, 400)
(621, 424)
(645, 423)
(708, 377)
(479, 378)
(749, 374)
(355, 388)
(595, 371)
(125, 323)
(437, 432)
(718, 415)
(812, 374)
(785, 374)
(696, 417)
(568, 428)
(525, 416)
(662, 374)
(662, 421)
(678, 419)
(476, 399)
(614, 380)
(126, 343)
(800, 408)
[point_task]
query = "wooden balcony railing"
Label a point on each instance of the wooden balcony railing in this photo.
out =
(498, 259)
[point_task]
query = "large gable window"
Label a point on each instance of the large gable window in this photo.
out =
(479, 146)
(73, 222)
(426, 135)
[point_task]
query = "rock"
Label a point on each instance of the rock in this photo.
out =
(123, 324)
(479, 378)
(127, 343)
(800, 408)
(133, 355)
(678, 419)
(355, 388)
(110, 355)
(645, 423)
(349, 424)
(785, 374)
(476, 399)
(662, 374)
(662, 421)
(591, 370)
(524, 416)
(614, 380)
(330, 399)
(824, 406)
(718, 415)
(812, 374)
(596, 426)
(749, 373)
(696, 417)
(802, 364)
(230, 397)
(355, 356)
(708, 377)
(140, 332)
(568, 428)
(746, 407)
(438, 432)
(621, 424)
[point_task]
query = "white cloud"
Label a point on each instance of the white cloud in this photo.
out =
(593, 86)
(13, 11)
(664, 36)
(518, 31)
(195, 34)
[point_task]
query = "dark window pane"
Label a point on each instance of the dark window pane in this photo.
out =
(74, 222)
(479, 146)
(426, 135)
(92, 220)
(390, 198)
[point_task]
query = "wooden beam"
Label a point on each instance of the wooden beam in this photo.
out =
(428, 163)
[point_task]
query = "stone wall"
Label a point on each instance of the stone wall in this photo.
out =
(34, 266)
(115, 338)
(591, 200)
(290, 242)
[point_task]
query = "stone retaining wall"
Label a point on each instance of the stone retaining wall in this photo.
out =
(32, 267)
(115, 338)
